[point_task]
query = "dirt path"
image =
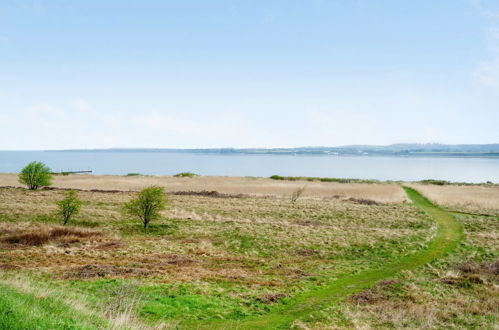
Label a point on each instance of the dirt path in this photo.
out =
(449, 234)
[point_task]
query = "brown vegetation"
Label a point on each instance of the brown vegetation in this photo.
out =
(374, 295)
(472, 272)
(207, 193)
(363, 201)
(95, 271)
(271, 298)
(41, 235)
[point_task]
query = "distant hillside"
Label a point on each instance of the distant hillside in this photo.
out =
(401, 149)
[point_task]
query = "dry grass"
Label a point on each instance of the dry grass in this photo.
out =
(383, 193)
(477, 199)
(251, 240)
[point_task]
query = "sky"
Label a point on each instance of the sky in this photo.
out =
(247, 73)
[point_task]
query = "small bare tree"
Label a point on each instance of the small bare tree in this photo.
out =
(297, 194)
(69, 206)
(148, 204)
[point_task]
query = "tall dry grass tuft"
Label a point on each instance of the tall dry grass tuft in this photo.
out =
(121, 306)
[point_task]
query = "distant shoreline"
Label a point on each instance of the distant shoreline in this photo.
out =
(399, 150)
(293, 153)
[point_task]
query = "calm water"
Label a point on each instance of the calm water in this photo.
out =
(364, 167)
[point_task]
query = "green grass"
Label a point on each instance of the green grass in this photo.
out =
(134, 228)
(20, 310)
(175, 301)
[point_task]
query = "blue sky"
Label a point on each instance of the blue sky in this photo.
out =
(100, 74)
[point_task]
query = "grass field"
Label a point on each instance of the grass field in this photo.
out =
(249, 253)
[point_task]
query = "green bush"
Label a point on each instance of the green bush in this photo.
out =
(69, 206)
(35, 175)
(435, 182)
(148, 204)
(288, 178)
(185, 175)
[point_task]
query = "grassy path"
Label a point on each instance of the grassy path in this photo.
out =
(449, 234)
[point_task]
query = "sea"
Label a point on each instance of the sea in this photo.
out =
(411, 168)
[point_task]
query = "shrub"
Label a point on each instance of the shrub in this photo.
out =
(134, 174)
(69, 206)
(148, 204)
(435, 182)
(185, 175)
(35, 175)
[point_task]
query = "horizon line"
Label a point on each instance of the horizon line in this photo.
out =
(260, 148)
